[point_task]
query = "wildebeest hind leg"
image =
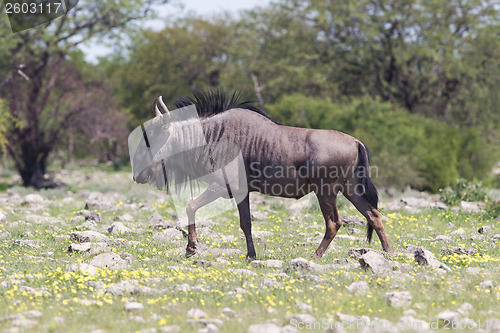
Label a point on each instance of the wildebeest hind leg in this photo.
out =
(213, 192)
(246, 226)
(373, 217)
(333, 222)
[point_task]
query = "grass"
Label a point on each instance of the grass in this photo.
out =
(75, 296)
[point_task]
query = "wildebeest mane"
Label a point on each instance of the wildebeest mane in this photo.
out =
(216, 100)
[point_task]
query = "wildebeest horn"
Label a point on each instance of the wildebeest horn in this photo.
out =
(155, 108)
(164, 107)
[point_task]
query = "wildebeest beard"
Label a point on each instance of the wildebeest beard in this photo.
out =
(180, 157)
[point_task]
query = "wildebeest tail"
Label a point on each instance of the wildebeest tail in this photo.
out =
(369, 190)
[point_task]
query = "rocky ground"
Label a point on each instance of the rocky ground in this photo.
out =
(107, 255)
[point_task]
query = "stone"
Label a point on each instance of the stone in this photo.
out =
(93, 216)
(485, 230)
(33, 198)
(118, 228)
(460, 232)
(259, 215)
(262, 233)
(472, 207)
(301, 318)
(267, 263)
(89, 247)
(301, 265)
(228, 312)
(376, 262)
(110, 261)
(448, 319)
(304, 307)
(169, 329)
(351, 220)
(78, 219)
(167, 235)
(31, 243)
(82, 268)
(458, 250)
(289, 329)
(196, 313)
(426, 258)
(398, 299)
(359, 287)
(155, 219)
(410, 323)
(210, 328)
(87, 236)
(270, 283)
(486, 284)
(443, 238)
(88, 225)
(3, 216)
(465, 309)
(133, 307)
(124, 218)
(264, 328)
(99, 201)
(124, 287)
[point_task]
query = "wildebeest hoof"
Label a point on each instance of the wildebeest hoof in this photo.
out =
(251, 258)
(191, 249)
(315, 255)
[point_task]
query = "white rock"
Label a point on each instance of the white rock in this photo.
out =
(359, 287)
(210, 328)
(376, 262)
(409, 323)
(398, 299)
(304, 307)
(486, 284)
(3, 216)
(301, 265)
(87, 236)
(465, 309)
(448, 319)
(123, 287)
(301, 318)
(118, 228)
(196, 313)
(264, 328)
(169, 329)
(109, 260)
(33, 198)
(133, 307)
(228, 312)
(268, 263)
(425, 257)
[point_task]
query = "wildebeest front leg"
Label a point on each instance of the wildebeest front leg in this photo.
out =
(333, 222)
(213, 192)
(246, 226)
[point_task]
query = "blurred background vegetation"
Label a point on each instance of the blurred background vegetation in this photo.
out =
(417, 80)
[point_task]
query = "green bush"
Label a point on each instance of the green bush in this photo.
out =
(463, 190)
(408, 149)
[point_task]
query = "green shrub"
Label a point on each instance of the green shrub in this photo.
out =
(408, 149)
(463, 190)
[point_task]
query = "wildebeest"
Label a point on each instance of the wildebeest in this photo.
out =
(276, 160)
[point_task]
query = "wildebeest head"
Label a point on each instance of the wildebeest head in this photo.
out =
(144, 143)
(152, 145)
